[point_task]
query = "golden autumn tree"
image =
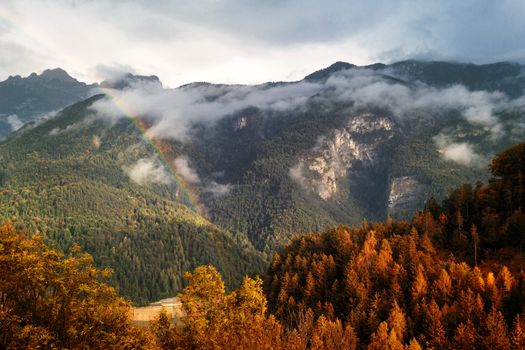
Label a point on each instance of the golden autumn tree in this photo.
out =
(203, 301)
(495, 335)
(397, 321)
(332, 335)
(435, 332)
(216, 320)
(379, 340)
(466, 336)
(54, 301)
(518, 333)
(382, 339)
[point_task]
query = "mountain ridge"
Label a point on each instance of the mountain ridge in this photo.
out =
(267, 162)
(25, 99)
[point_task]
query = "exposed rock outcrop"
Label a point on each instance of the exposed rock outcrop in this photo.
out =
(335, 154)
(240, 123)
(406, 194)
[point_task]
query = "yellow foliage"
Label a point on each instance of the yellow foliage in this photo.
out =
(53, 301)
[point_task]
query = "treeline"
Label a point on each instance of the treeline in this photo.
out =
(49, 300)
(239, 320)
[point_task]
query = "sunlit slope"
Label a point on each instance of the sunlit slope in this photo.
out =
(70, 179)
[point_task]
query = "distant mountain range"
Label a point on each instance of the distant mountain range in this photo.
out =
(156, 181)
(502, 76)
(25, 99)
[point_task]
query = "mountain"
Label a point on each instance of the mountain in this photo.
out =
(502, 76)
(228, 174)
(506, 77)
(392, 284)
(366, 143)
(25, 99)
(128, 80)
(325, 73)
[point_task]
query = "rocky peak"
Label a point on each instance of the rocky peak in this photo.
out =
(24, 99)
(48, 75)
(325, 73)
(129, 80)
(13, 78)
(57, 74)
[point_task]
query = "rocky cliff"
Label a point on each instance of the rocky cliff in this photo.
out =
(335, 154)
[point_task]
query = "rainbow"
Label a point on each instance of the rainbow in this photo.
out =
(189, 194)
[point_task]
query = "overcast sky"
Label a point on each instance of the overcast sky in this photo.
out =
(248, 41)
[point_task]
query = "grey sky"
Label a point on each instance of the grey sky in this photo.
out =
(248, 41)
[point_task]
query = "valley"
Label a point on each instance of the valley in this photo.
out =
(262, 175)
(256, 166)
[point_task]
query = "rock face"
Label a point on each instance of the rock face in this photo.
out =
(406, 194)
(334, 155)
(240, 123)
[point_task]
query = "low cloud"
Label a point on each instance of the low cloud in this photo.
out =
(217, 189)
(462, 153)
(148, 170)
(112, 72)
(184, 170)
(14, 122)
(96, 141)
(172, 112)
(367, 88)
(297, 174)
(206, 186)
(69, 128)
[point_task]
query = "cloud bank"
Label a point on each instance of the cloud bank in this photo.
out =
(173, 112)
(367, 88)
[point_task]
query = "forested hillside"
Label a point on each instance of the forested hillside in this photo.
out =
(367, 143)
(67, 179)
(153, 181)
(390, 285)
